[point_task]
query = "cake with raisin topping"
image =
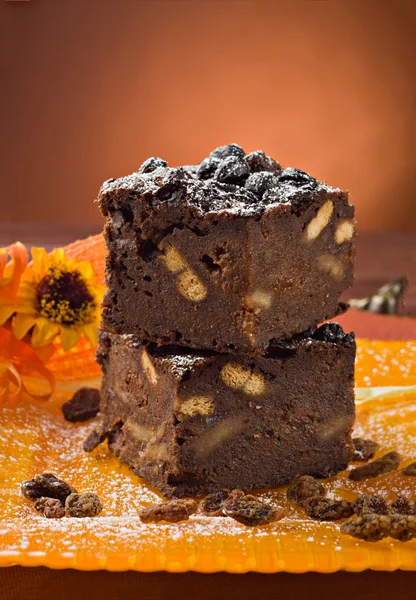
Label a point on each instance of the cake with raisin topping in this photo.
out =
(226, 255)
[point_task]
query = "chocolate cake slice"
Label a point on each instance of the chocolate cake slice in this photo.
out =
(193, 422)
(226, 255)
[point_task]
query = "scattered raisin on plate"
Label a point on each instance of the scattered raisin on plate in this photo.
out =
(385, 464)
(402, 506)
(46, 485)
(83, 505)
(326, 509)
(368, 504)
(370, 527)
(84, 405)
(410, 470)
(171, 511)
(249, 510)
(363, 449)
(212, 504)
(51, 508)
(402, 527)
(303, 488)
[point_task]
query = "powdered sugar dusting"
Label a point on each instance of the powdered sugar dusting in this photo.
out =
(34, 437)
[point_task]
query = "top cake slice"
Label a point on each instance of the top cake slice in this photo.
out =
(225, 255)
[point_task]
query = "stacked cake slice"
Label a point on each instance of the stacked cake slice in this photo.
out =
(215, 373)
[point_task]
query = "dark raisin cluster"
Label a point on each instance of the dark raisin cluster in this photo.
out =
(53, 498)
(46, 485)
(311, 496)
(332, 332)
(256, 175)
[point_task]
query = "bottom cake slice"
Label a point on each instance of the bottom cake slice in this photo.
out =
(194, 422)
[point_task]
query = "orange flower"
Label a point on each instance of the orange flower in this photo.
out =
(20, 368)
(52, 296)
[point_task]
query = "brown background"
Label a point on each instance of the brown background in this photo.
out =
(90, 88)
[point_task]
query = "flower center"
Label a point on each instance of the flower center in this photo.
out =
(63, 297)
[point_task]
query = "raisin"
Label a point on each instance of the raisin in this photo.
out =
(410, 470)
(229, 150)
(366, 503)
(171, 511)
(385, 464)
(259, 161)
(258, 183)
(402, 506)
(402, 527)
(95, 438)
(249, 510)
(207, 168)
(213, 503)
(297, 177)
(303, 488)
(51, 508)
(231, 170)
(363, 449)
(83, 505)
(370, 528)
(325, 509)
(46, 485)
(151, 164)
(172, 190)
(84, 405)
(330, 332)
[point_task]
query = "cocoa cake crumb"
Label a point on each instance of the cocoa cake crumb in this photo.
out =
(95, 438)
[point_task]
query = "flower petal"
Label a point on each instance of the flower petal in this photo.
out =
(22, 324)
(85, 268)
(6, 311)
(91, 333)
(69, 338)
(58, 256)
(44, 332)
(40, 262)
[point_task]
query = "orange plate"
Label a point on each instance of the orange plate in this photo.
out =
(34, 437)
